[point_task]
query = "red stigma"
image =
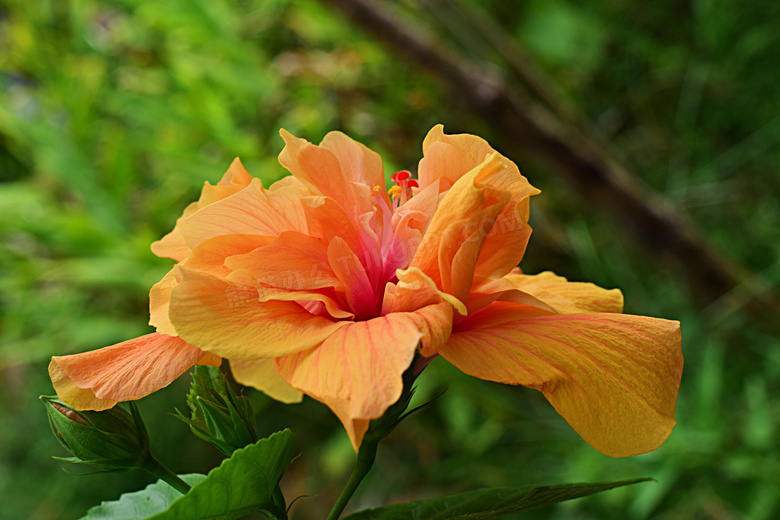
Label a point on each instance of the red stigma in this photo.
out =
(401, 176)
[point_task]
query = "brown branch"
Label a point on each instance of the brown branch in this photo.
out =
(525, 123)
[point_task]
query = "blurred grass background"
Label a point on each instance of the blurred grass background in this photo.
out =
(113, 113)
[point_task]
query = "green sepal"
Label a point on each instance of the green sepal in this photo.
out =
(219, 416)
(488, 503)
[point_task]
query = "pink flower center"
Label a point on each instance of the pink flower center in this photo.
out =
(383, 251)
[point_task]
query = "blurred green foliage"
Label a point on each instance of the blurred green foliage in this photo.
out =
(113, 114)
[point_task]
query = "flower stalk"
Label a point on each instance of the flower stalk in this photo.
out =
(365, 461)
(160, 471)
(379, 429)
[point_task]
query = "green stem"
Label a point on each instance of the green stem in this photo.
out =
(156, 468)
(276, 513)
(365, 460)
(279, 505)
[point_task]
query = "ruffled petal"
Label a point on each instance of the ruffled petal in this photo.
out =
(234, 180)
(451, 246)
(409, 224)
(613, 377)
(252, 211)
(414, 291)
(357, 370)
(232, 319)
(263, 375)
(548, 291)
(208, 257)
(358, 289)
(127, 371)
(446, 158)
(159, 299)
(323, 172)
(357, 161)
(326, 219)
(293, 261)
(498, 239)
(213, 255)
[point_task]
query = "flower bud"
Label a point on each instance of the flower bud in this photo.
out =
(219, 416)
(112, 439)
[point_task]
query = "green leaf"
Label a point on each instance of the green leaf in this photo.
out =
(241, 484)
(485, 504)
(153, 499)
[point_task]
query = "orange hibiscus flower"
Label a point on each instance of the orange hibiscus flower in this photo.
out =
(327, 285)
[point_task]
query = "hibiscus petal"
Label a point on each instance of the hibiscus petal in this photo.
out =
(209, 257)
(212, 255)
(502, 237)
(362, 164)
(321, 170)
(172, 245)
(446, 158)
(327, 219)
(357, 370)
(159, 299)
(548, 291)
(263, 375)
(229, 319)
(505, 244)
(459, 227)
(416, 290)
(613, 377)
(234, 180)
(313, 299)
(127, 371)
(354, 279)
(252, 211)
(567, 297)
(293, 261)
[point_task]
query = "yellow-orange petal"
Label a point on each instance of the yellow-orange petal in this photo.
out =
(212, 255)
(356, 371)
(263, 375)
(252, 211)
(567, 297)
(321, 170)
(159, 298)
(229, 319)
(435, 324)
(416, 290)
(172, 245)
(332, 303)
(354, 279)
(548, 291)
(613, 377)
(234, 180)
(209, 257)
(293, 261)
(501, 238)
(327, 219)
(127, 371)
(446, 158)
(451, 245)
(357, 161)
